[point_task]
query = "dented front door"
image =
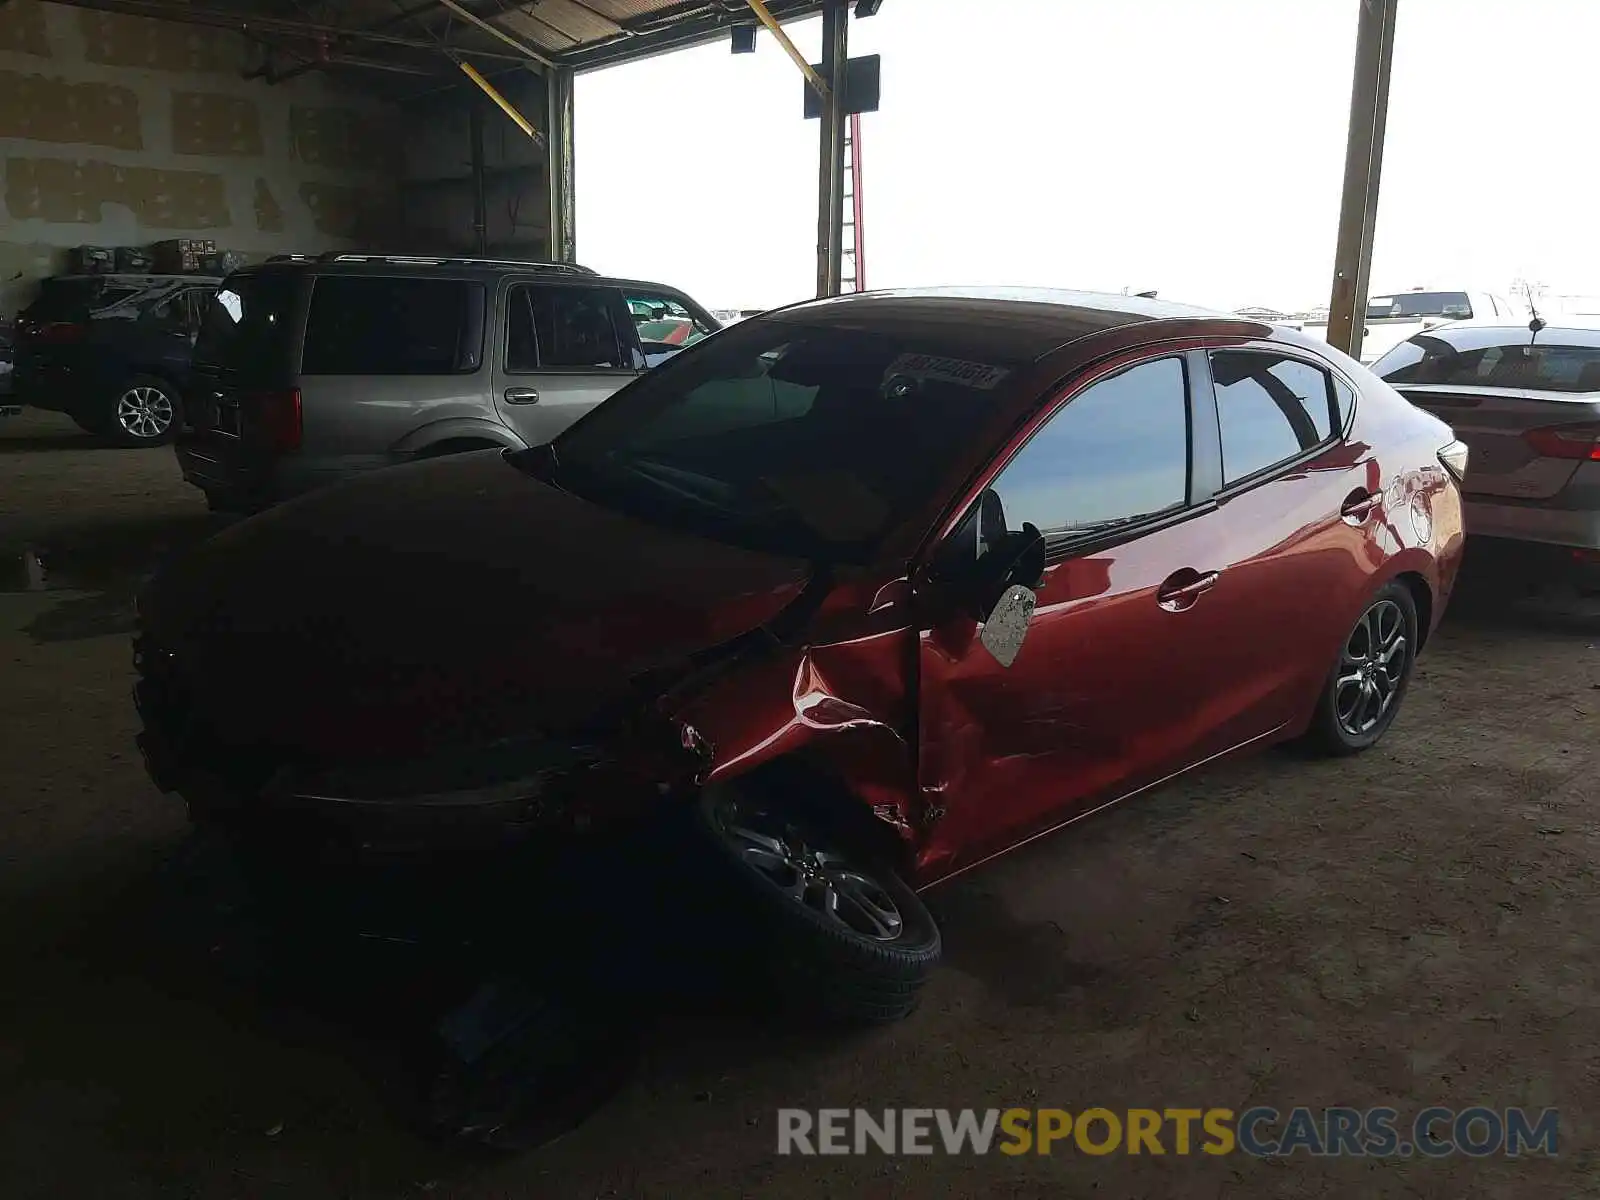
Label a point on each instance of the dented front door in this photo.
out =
(1096, 703)
(1099, 699)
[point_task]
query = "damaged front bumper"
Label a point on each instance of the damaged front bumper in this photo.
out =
(374, 809)
(466, 800)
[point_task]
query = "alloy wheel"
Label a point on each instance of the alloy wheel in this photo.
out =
(811, 875)
(1372, 667)
(144, 412)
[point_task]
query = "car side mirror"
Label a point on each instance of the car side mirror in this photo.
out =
(1007, 575)
(1006, 626)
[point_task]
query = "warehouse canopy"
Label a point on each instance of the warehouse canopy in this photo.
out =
(427, 37)
(449, 39)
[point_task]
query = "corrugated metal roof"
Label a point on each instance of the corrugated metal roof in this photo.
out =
(381, 38)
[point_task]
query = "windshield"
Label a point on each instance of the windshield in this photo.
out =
(247, 321)
(783, 437)
(1420, 304)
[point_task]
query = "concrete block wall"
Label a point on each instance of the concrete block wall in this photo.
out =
(118, 130)
(438, 192)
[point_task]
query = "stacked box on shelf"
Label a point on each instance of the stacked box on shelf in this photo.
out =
(133, 260)
(90, 260)
(221, 262)
(181, 256)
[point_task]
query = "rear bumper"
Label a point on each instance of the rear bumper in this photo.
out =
(1571, 518)
(227, 473)
(1529, 523)
(1522, 565)
(235, 476)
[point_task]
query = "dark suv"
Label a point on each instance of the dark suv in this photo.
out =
(312, 369)
(112, 351)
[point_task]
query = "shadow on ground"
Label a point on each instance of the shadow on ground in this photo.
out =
(491, 1006)
(51, 441)
(101, 568)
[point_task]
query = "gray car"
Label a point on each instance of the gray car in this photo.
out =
(308, 370)
(1525, 398)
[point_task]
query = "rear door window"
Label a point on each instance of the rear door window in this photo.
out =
(380, 325)
(1269, 409)
(552, 327)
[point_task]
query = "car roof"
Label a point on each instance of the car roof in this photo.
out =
(1021, 323)
(421, 266)
(141, 278)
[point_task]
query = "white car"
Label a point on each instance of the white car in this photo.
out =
(1392, 317)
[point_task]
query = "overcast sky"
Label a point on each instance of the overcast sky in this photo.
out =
(1194, 147)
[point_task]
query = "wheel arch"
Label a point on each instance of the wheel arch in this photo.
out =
(1421, 596)
(456, 433)
(810, 779)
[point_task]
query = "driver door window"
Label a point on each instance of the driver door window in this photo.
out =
(1114, 454)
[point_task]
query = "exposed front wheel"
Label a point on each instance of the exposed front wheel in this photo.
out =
(844, 937)
(1362, 695)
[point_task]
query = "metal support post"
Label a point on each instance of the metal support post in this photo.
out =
(830, 174)
(480, 201)
(1363, 162)
(559, 164)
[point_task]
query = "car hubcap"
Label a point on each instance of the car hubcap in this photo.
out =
(144, 412)
(1371, 668)
(810, 875)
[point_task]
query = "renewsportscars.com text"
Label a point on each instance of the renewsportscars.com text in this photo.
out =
(1434, 1132)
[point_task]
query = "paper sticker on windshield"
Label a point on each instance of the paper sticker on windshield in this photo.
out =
(947, 370)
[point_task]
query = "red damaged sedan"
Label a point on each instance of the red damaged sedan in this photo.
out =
(868, 590)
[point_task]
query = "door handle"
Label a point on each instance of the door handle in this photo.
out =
(1183, 588)
(522, 395)
(1358, 506)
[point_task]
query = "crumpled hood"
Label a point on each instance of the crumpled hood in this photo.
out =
(440, 602)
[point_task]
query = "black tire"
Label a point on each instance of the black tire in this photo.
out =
(143, 411)
(1344, 722)
(825, 963)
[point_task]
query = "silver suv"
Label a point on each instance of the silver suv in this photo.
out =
(307, 370)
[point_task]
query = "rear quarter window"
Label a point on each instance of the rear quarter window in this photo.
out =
(1270, 409)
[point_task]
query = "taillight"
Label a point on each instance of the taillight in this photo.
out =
(1454, 459)
(280, 418)
(1566, 441)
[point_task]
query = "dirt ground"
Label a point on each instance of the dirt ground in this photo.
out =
(1416, 926)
